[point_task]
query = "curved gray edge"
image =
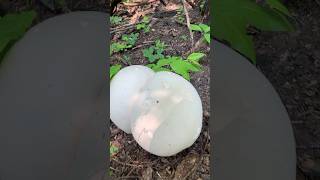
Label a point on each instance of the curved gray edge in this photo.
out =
(53, 101)
(253, 137)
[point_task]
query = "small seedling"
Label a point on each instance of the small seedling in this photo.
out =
(203, 28)
(117, 47)
(180, 15)
(115, 20)
(154, 53)
(130, 39)
(113, 71)
(144, 24)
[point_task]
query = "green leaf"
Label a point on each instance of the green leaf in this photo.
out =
(163, 62)
(278, 6)
(130, 39)
(195, 27)
(205, 28)
(13, 27)
(183, 68)
(195, 57)
(207, 37)
(117, 47)
(140, 26)
(114, 70)
(232, 17)
(115, 20)
(148, 53)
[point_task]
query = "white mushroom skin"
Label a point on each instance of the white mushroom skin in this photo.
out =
(124, 87)
(167, 116)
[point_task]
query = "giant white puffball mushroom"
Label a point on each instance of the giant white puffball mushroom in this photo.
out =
(162, 110)
(167, 117)
(124, 87)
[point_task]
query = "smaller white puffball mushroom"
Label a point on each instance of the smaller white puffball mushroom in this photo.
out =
(124, 88)
(167, 117)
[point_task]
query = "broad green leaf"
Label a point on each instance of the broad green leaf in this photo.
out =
(114, 70)
(163, 62)
(148, 53)
(183, 68)
(232, 17)
(207, 37)
(205, 28)
(278, 6)
(13, 26)
(195, 57)
(195, 27)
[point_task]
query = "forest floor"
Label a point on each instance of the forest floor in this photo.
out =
(131, 161)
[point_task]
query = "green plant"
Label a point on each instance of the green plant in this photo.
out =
(180, 15)
(128, 41)
(126, 59)
(179, 65)
(231, 18)
(113, 149)
(114, 70)
(12, 28)
(115, 20)
(144, 24)
(154, 53)
(117, 47)
(203, 28)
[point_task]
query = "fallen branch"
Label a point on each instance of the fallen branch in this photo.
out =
(188, 20)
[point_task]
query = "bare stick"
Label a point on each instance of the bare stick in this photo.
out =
(188, 20)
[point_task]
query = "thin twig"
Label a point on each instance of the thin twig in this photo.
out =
(188, 20)
(146, 43)
(126, 164)
(138, 3)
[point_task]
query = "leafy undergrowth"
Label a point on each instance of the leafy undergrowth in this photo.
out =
(161, 40)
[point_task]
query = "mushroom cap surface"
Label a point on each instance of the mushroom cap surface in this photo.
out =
(167, 117)
(124, 88)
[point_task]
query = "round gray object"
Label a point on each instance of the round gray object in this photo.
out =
(53, 100)
(252, 131)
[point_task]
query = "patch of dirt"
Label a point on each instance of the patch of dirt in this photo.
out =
(193, 163)
(291, 61)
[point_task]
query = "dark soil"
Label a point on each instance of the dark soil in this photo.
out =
(291, 61)
(132, 161)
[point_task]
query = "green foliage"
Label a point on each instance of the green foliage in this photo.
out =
(114, 70)
(144, 25)
(204, 29)
(180, 15)
(128, 41)
(230, 19)
(113, 149)
(115, 20)
(179, 65)
(117, 47)
(12, 28)
(154, 53)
